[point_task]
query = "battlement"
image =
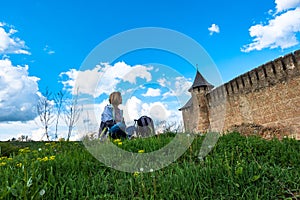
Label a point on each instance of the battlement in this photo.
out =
(279, 70)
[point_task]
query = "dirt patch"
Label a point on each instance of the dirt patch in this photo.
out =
(265, 132)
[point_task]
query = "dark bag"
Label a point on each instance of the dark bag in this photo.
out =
(144, 121)
(145, 126)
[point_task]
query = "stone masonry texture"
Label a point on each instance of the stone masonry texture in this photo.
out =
(268, 95)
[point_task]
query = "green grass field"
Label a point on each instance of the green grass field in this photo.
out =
(238, 167)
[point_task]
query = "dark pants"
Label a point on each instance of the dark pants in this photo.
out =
(116, 133)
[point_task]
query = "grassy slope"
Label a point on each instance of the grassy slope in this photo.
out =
(236, 168)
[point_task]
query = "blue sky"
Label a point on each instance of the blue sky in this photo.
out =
(45, 43)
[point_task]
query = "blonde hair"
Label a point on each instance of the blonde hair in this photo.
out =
(115, 98)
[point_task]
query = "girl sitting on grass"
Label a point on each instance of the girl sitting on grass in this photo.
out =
(112, 118)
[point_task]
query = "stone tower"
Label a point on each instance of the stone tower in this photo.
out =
(195, 111)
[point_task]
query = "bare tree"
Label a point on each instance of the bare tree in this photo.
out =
(72, 113)
(45, 111)
(59, 99)
(87, 122)
(166, 126)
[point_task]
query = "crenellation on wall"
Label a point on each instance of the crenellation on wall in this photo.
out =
(235, 86)
(229, 89)
(297, 59)
(253, 75)
(270, 73)
(280, 69)
(266, 75)
(217, 95)
(246, 82)
(239, 83)
(262, 77)
(289, 63)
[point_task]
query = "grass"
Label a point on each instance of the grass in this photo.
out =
(238, 167)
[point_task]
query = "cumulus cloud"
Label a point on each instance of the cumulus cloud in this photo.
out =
(213, 29)
(280, 31)
(283, 5)
(163, 82)
(162, 113)
(104, 78)
(18, 92)
(10, 44)
(151, 92)
(132, 109)
(135, 108)
(180, 88)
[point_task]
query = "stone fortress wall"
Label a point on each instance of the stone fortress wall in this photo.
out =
(268, 95)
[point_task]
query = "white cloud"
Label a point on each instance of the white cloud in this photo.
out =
(213, 29)
(48, 50)
(11, 130)
(180, 88)
(18, 92)
(158, 111)
(279, 32)
(135, 108)
(163, 82)
(104, 78)
(10, 44)
(132, 109)
(282, 5)
(151, 92)
(34, 130)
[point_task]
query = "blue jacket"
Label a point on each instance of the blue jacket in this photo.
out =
(109, 114)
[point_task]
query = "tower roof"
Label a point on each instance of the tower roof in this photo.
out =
(187, 105)
(199, 81)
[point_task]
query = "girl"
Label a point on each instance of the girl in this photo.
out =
(112, 117)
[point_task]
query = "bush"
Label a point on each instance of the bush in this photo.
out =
(7, 149)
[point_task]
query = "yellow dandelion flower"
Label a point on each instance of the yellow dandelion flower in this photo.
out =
(116, 140)
(24, 150)
(19, 165)
(136, 174)
(141, 151)
(3, 158)
(2, 164)
(45, 159)
(52, 158)
(119, 143)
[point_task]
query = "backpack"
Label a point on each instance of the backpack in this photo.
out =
(145, 126)
(144, 121)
